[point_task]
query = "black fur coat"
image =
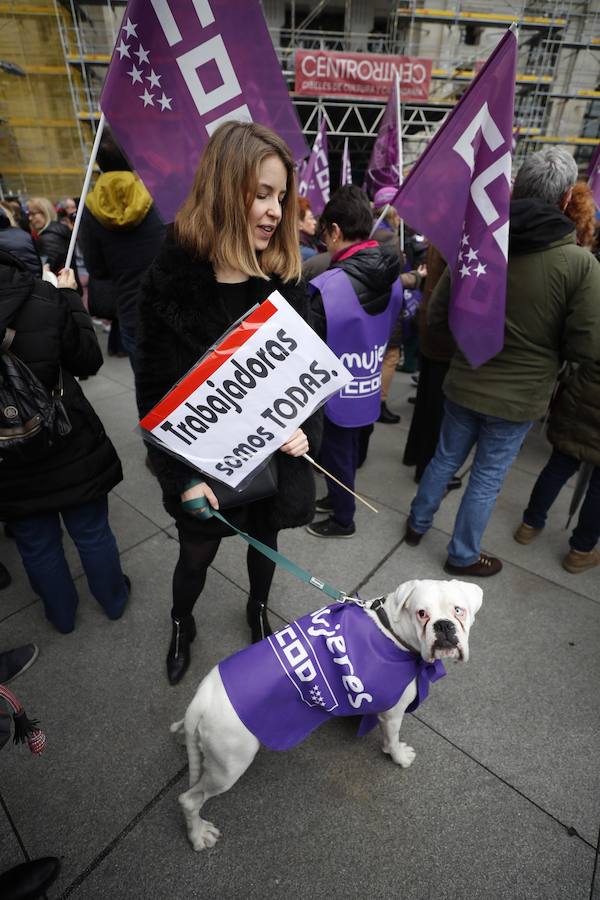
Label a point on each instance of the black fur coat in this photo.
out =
(180, 316)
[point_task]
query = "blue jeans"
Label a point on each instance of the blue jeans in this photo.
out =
(39, 541)
(551, 479)
(498, 442)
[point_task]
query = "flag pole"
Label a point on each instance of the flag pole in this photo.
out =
(400, 154)
(379, 220)
(84, 191)
(333, 478)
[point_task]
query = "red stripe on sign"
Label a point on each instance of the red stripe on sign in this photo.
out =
(209, 366)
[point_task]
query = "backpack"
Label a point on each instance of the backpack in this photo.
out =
(32, 418)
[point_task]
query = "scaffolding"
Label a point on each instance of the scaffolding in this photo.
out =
(42, 143)
(557, 90)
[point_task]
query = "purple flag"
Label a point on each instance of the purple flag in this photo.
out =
(458, 195)
(314, 176)
(180, 69)
(384, 164)
(346, 177)
(594, 175)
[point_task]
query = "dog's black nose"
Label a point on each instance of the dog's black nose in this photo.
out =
(445, 631)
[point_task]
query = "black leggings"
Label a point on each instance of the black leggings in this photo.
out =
(197, 553)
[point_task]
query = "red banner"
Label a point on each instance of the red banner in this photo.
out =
(366, 75)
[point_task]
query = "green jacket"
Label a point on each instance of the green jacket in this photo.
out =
(552, 315)
(575, 422)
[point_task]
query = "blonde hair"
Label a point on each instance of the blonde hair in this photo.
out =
(45, 207)
(213, 224)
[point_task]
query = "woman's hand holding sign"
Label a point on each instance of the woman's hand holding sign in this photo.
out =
(297, 444)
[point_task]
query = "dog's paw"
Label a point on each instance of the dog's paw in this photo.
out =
(402, 754)
(204, 835)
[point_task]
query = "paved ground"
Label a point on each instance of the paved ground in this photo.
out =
(502, 802)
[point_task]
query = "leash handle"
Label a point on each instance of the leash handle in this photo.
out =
(201, 508)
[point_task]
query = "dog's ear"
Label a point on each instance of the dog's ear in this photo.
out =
(399, 597)
(473, 595)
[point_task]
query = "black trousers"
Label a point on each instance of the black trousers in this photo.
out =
(427, 416)
(197, 551)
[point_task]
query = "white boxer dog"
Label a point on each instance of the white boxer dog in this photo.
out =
(376, 659)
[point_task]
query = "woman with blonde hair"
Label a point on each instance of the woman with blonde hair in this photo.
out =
(234, 241)
(51, 236)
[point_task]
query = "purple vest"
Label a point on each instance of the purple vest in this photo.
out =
(360, 341)
(333, 662)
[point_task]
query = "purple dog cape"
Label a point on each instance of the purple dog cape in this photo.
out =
(333, 662)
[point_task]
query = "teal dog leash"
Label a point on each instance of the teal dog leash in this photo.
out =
(201, 508)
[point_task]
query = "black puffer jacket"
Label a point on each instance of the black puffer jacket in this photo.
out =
(180, 315)
(18, 242)
(372, 272)
(53, 327)
(52, 245)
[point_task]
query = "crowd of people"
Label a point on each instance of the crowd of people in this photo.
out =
(241, 233)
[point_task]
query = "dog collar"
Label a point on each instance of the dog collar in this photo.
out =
(377, 607)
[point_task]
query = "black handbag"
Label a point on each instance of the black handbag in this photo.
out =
(32, 418)
(262, 485)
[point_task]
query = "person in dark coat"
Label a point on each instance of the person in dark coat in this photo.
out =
(574, 432)
(205, 278)
(52, 237)
(53, 334)
(18, 242)
(120, 234)
(436, 349)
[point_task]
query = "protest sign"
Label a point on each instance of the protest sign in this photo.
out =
(248, 395)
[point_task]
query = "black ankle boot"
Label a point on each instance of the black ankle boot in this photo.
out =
(29, 879)
(256, 616)
(178, 657)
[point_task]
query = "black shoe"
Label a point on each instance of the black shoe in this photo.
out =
(412, 537)
(15, 662)
(30, 879)
(412, 400)
(178, 657)
(324, 505)
(5, 578)
(387, 416)
(415, 379)
(454, 484)
(330, 528)
(256, 616)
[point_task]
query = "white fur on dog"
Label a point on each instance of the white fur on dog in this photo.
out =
(220, 748)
